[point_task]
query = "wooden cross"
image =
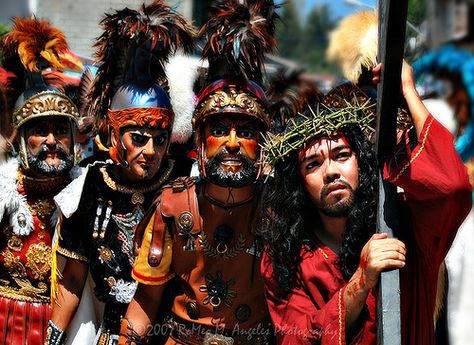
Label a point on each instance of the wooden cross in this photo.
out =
(392, 26)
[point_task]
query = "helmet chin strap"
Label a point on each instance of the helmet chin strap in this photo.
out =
(122, 153)
(260, 165)
(23, 151)
(201, 154)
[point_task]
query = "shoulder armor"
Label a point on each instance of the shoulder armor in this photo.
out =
(176, 204)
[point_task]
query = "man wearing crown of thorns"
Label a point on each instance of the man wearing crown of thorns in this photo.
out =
(324, 257)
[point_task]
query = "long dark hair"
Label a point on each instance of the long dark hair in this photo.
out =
(292, 219)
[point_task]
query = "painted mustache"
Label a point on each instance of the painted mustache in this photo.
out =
(236, 178)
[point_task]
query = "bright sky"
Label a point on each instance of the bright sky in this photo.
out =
(340, 8)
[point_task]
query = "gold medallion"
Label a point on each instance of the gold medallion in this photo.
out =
(185, 221)
(105, 253)
(138, 198)
(111, 281)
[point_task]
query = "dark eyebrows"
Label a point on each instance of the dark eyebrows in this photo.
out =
(307, 158)
(249, 126)
(218, 123)
(333, 150)
(340, 148)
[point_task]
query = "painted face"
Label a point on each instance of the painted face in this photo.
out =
(329, 169)
(231, 150)
(145, 149)
(48, 143)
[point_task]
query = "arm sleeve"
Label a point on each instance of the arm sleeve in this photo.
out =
(144, 273)
(298, 320)
(436, 187)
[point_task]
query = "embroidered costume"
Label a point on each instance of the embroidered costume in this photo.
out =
(35, 54)
(204, 232)
(99, 231)
(131, 99)
(29, 215)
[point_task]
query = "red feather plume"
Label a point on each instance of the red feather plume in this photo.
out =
(36, 41)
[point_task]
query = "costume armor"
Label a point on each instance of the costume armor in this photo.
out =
(101, 210)
(208, 245)
(34, 52)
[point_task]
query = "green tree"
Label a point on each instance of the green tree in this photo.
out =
(305, 42)
(416, 11)
(288, 30)
(315, 38)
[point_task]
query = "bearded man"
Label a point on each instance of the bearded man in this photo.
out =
(324, 259)
(203, 232)
(44, 118)
(100, 210)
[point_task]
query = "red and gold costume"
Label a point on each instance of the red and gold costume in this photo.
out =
(436, 204)
(35, 54)
(26, 253)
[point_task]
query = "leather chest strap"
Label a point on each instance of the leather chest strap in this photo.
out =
(178, 204)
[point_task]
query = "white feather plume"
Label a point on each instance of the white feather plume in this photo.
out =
(13, 203)
(182, 72)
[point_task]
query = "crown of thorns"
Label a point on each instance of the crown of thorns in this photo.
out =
(318, 121)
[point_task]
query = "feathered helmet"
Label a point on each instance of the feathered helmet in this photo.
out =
(35, 55)
(237, 36)
(131, 86)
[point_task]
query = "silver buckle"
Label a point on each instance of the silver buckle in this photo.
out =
(217, 339)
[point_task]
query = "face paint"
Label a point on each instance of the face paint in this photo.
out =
(144, 150)
(231, 150)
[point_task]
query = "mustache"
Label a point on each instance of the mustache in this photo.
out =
(326, 188)
(219, 157)
(216, 174)
(46, 149)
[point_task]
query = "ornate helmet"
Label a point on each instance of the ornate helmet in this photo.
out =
(131, 86)
(237, 36)
(37, 54)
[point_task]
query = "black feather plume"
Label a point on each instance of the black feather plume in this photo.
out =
(237, 36)
(155, 28)
(289, 93)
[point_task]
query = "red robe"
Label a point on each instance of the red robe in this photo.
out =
(437, 196)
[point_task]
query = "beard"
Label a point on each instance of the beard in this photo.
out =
(216, 174)
(38, 162)
(340, 208)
